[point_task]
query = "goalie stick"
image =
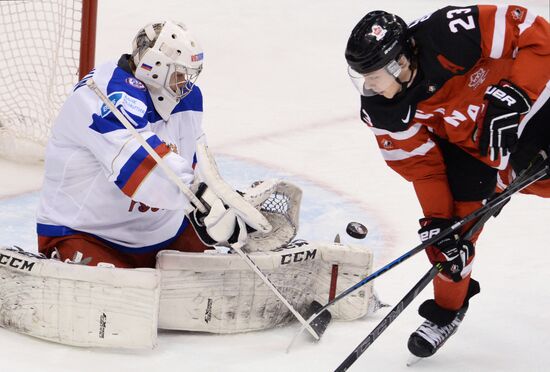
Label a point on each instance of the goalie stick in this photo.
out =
(536, 170)
(191, 196)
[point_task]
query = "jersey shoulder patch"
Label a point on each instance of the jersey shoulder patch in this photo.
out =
(127, 94)
(129, 104)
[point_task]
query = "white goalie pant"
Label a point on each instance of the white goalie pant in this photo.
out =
(219, 293)
(76, 304)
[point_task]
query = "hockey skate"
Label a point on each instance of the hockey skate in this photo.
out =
(429, 337)
(440, 324)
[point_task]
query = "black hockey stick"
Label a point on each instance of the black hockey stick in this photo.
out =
(407, 299)
(536, 170)
(388, 319)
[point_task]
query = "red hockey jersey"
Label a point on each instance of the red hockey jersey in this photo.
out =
(461, 51)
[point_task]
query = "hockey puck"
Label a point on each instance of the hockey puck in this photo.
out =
(357, 230)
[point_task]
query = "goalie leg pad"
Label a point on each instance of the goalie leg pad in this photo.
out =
(218, 293)
(353, 263)
(78, 305)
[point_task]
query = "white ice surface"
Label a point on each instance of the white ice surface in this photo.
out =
(278, 102)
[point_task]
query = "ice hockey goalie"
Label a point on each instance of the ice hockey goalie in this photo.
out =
(215, 291)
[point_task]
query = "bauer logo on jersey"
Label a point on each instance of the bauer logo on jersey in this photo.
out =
(129, 104)
(132, 81)
(378, 32)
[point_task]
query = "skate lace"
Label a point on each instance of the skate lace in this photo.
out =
(435, 334)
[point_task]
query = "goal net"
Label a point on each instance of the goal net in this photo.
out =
(46, 45)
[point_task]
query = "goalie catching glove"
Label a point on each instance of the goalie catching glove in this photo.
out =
(229, 217)
(451, 254)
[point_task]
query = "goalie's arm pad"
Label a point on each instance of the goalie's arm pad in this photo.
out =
(209, 174)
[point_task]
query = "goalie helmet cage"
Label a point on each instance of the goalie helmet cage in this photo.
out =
(47, 46)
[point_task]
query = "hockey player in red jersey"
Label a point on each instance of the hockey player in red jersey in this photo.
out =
(458, 102)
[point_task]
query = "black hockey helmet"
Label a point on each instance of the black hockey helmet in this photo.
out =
(376, 40)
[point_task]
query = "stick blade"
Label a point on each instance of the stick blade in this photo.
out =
(320, 323)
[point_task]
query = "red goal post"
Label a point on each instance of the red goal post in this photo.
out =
(87, 37)
(47, 45)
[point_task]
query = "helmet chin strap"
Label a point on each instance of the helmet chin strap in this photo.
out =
(405, 84)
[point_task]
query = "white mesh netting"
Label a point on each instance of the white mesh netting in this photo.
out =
(40, 59)
(282, 210)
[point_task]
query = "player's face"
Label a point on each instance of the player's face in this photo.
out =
(182, 79)
(177, 81)
(379, 82)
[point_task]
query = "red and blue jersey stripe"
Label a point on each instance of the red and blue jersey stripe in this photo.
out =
(139, 165)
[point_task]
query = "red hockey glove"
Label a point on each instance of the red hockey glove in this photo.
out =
(450, 254)
(498, 121)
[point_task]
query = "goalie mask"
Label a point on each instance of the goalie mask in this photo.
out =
(168, 60)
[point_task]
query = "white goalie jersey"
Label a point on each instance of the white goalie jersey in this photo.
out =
(101, 181)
